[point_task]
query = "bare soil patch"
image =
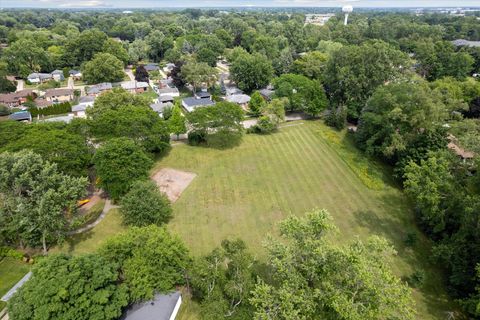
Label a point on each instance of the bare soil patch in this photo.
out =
(173, 182)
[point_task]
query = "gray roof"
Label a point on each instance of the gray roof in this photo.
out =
(233, 90)
(74, 72)
(97, 88)
(159, 107)
(466, 43)
(57, 72)
(151, 67)
(39, 75)
(160, 308)
(86, 99)
(167, 90)
(20, 116)
(59, 92)
(238, 98)
(81, 107)
(129, 85)
(202, 94)
(165, 98)
(191, 103)
(266, 93)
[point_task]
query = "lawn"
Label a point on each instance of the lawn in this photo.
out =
(243, 192)
(152, 95)
(11, 271)
(89, 241)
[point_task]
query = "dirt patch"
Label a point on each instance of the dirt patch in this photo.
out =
(172, 182)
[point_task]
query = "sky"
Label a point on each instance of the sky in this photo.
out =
(230, 3)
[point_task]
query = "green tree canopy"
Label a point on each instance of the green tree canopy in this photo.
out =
(104, 67)
(302, 93)
(119, 162)
(314, 278)
(70, 288)
(116, 49)
(24, 57)
(144, 204)
(150, 258)
(354, 72)
(251, 71)
(35, 199)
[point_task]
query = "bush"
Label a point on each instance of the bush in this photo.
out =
(11, 253)
(264, 126)
(224, 139)
(52, 84)
(417, 278)
(337, 117)
(411, 239)
(196, 138)
(144, 204)
(4, 110)
(59, 108)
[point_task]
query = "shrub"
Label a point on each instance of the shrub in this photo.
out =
(59, 108)
(417, 278)
(9, 252)
(264, 126)
(411, 239)
(144, 204)
(196, 138)
(337, 117)
(4, 110)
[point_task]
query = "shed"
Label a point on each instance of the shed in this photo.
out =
(161, 307)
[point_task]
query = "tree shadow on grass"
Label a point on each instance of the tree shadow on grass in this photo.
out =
(72, 242)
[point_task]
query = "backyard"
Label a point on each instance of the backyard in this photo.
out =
(11, 271)
(243, 192)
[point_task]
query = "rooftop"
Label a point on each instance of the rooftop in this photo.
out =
(238, 98)
(20, 116)
(466, 43)
(162, 307)
(129, 85)
(97, 88)
(59, 92)
(159, 107)
(191, 103)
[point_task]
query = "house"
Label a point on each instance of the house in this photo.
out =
(161, 307)
(15, 99)
(267, 94)
(75, 74)
(192, 103)
(152, 67)
(203, 95)
(465, 43)
(97, 89)
(169, 67)
(160, 107)
(43, 103)
(59, 95)
(168, 91)
(21, 116)
(57, 75)
(229, 91)
(79, 110)
(165, 99)
(241, 99)
(36, 78)
(135, 86)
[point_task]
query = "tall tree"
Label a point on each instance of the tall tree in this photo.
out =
(35, 199)
(151, 260)
(251, 72)
(24, 57)
(198, 73)
(314, 278)
(177, 122)
(103, 68)
(354, 72)
(116, 49)
(64, 287)
(119, 162)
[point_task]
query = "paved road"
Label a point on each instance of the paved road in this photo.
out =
(71, 83)
(20, 85)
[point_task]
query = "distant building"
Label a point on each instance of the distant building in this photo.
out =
(168, 91)
(240, 99)
(21, 116)
(36, 78)
(57, 75)
(465, 43)
(15, 99)
(161, 307)
(169, 67)
(97, 89)
(267, 94)
(203, 95)
(79, 110)
(160, 107)
(152, 67)
(135, 86)
(75, 74)
(318, 19)
(59, 95)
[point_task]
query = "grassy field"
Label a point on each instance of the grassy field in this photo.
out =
(89, 241)
(11, 271)
(243, 192)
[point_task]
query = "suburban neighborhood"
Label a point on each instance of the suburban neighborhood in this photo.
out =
(274, 160)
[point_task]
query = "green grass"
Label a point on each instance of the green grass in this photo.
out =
(243, 192)
(89, 241)
(150, 94)
(11, 271)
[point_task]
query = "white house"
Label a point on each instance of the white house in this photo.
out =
(135, 86)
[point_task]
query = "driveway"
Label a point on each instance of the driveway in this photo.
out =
(20, 85)
(130, 74)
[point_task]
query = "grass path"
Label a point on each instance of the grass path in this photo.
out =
(243, 192)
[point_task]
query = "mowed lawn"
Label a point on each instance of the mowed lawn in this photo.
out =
(243, 192)
(11, 271)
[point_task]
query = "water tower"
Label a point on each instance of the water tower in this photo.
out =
(347, 9)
